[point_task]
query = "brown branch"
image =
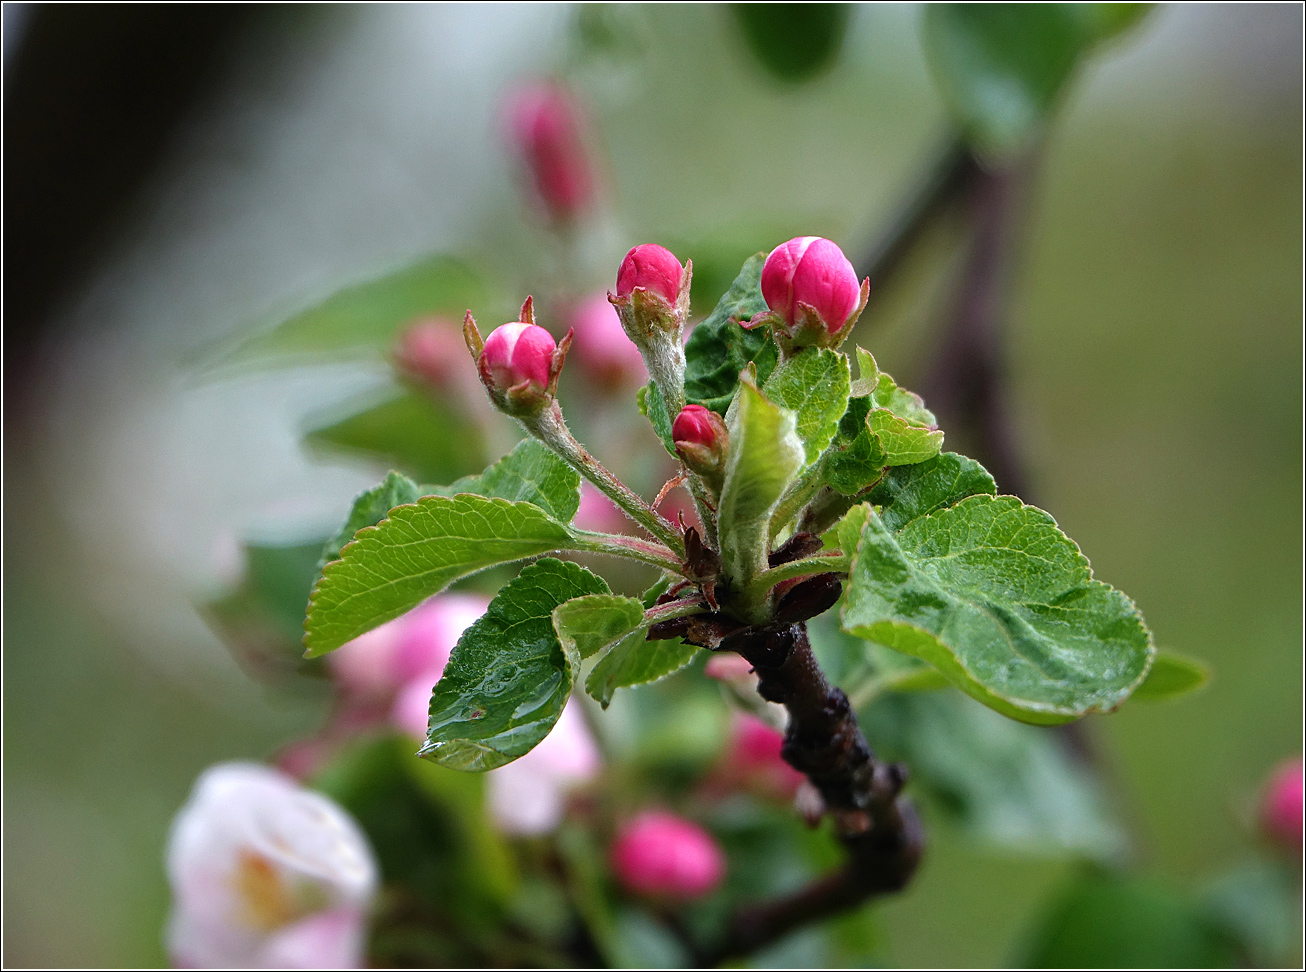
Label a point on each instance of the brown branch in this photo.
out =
(876, 824)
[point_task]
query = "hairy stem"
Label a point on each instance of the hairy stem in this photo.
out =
(876, 824)
(631, 548)
(796, 496)
(548, 426)
(767, 579)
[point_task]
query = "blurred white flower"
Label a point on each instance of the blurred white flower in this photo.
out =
(528, 795)
(266, 874)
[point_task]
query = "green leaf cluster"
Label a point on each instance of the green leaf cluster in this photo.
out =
(719, 349)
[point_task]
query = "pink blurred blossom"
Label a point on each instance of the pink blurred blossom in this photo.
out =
(598, 513)
(547, 134)
(1281, 805)
(661, 855)
(602, 346)
(755, 755)
(266, 874)
(528, 796)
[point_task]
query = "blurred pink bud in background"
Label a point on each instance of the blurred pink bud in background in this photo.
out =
(729, 667)
(661, 855)
(377, 665)
(431, 351)
(547, 134)
(755, 755)
(1281, 805)
(598, 513)
(813, 271)
(528, 796)
(266, 874)
(422, 649)
(602, 346)
(653, 267)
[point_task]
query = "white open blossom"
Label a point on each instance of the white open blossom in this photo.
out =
(266, 874)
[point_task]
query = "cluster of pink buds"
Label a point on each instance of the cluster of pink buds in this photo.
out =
(660, 855)
(548, 136)
(813, 294)
(519, 363)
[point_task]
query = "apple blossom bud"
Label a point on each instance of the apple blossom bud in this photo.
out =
(266, 874)
(729, 667)
(661, 855)
(702, 442)
(547, 134)
(605, 352)
(528, 796)
(1281, 805)
(813, 294)
(755, 753)
(516, 367)
(652, 301)
(653, 267)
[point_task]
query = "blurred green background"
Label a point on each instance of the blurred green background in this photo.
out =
(1155, 368)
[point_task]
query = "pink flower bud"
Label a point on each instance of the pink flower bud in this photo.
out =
(812, 288)
(755, 754)
(661, 855)
(547, 134)
(728, 667)
(1281, 805)
(266, 874)
(603, 347)
(702, 442)
(430, 351)
(518, 354)
(653, 267)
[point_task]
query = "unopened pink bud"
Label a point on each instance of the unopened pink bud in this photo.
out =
(755, 752)
(602, 346)
(701, 441)
(518, 358)
(662, 855)
(1281, 805)
(653, 267)
(729, 667)
(547, 133)
(812, 271)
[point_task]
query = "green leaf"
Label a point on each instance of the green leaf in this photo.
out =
(367, 317)
(408, 431)
(370, 508)
(991, 593)
(1104, 921)
(794, 41)
(1000, 67)
(765, 455)
(651, 406)
(907, 492)
(635, 661)
(1172, 675)
(1102, 21)
(508, 678)
(418, 551)
(531, 473)
(815, 384)
(884, 426)
(589, 624)
(718, 349)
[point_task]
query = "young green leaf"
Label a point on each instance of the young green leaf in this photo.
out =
(635, 661)
(996, 597)
(898, 442)
(408, 431)
(418, 551)
(366, 317)
(1000, 67)
(815, 384)
(1172, 675)
(907, 492)
(587, 625)
(651, 406)
(508, 678)
(719, 348)
(370, 508)
(765, 455)
(531, 473)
